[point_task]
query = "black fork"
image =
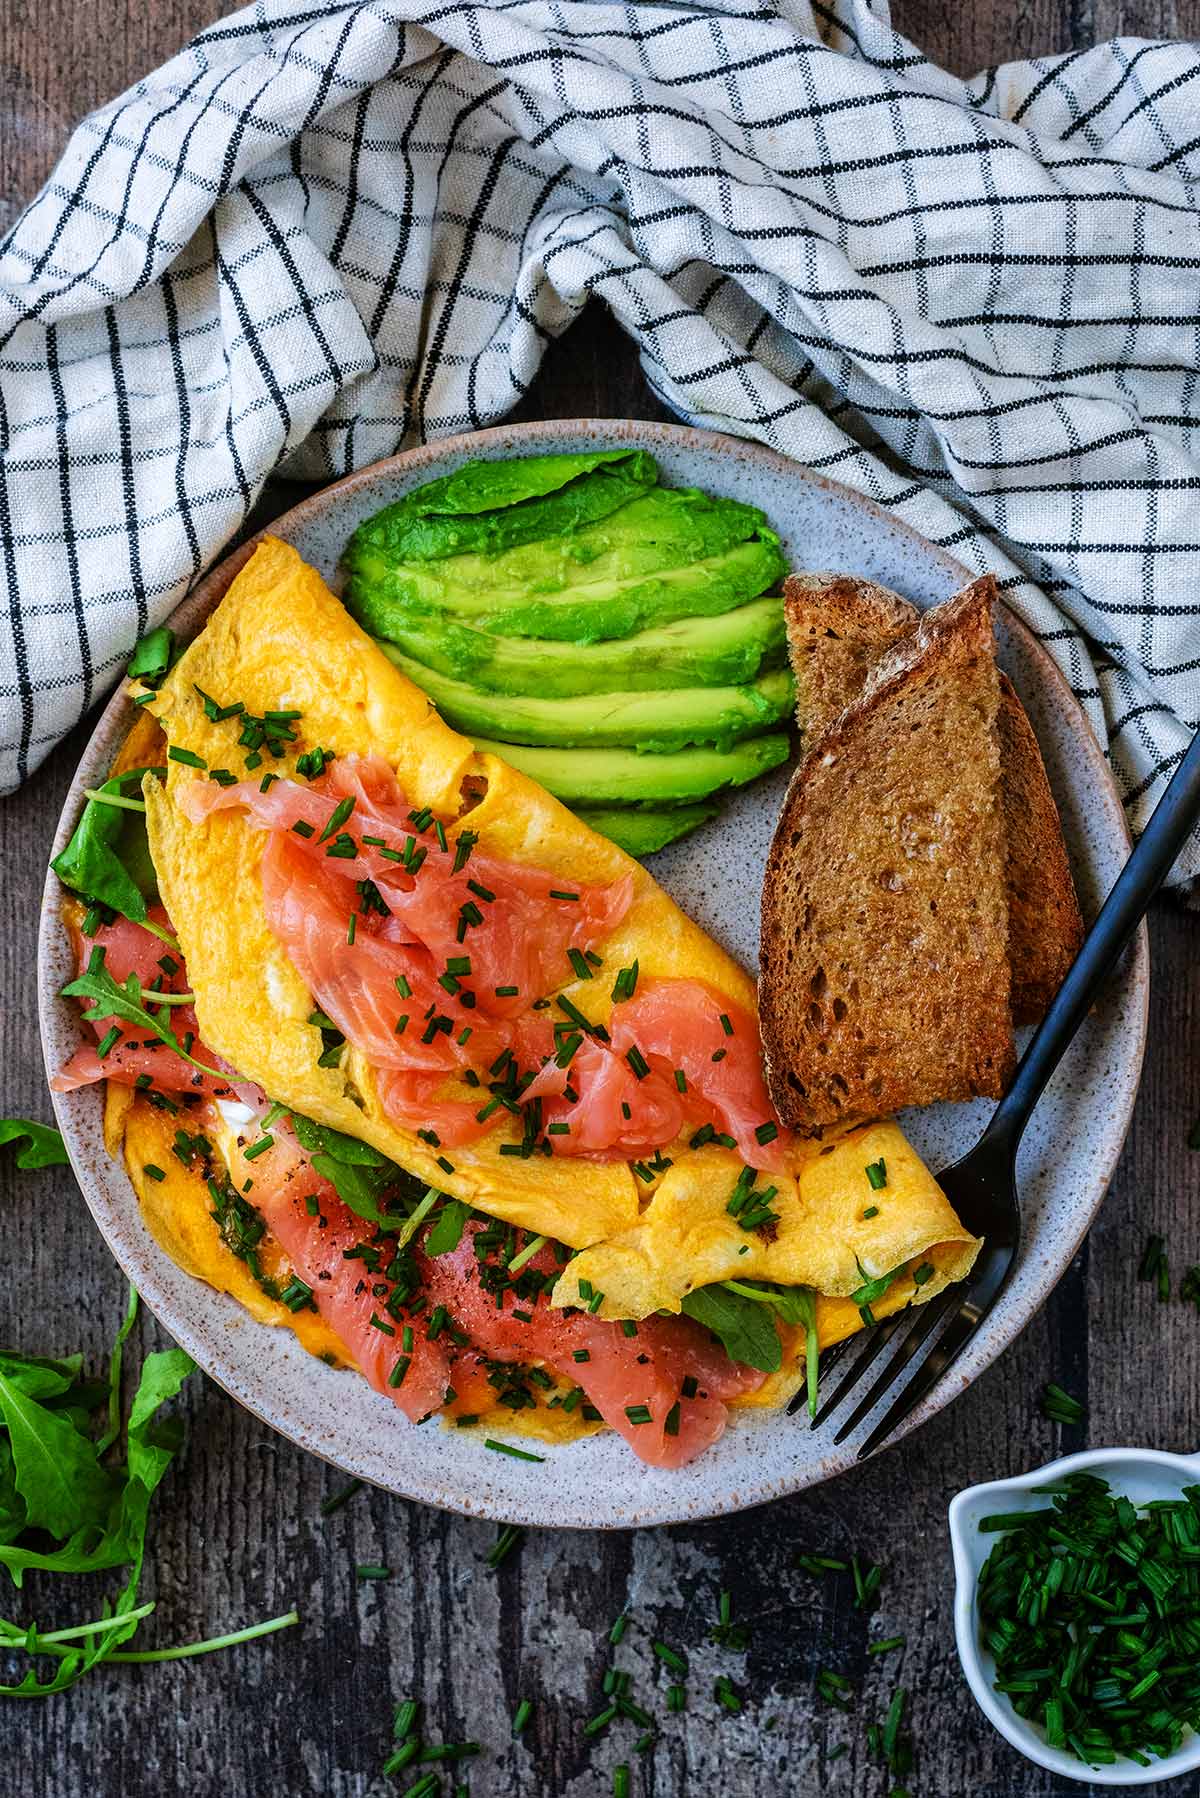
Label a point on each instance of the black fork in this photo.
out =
(982, 1186)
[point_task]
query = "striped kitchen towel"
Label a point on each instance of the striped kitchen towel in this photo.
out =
(323, 232)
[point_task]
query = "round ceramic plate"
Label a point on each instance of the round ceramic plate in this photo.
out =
(1066, 1162)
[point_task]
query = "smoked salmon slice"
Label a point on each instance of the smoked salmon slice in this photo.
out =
(663, 1387)
(429, 955)
(345, 1264)
(134, 1056)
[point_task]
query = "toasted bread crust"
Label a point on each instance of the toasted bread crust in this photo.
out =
(884, 959)
(1044, 921)
(837, 627)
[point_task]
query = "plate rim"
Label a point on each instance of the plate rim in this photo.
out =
(189, 616)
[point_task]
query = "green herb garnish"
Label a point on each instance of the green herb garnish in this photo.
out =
(1089, 1607)
(107, 858)
(1059, 1406)
(44, 1145)
(112, 1000)
(152, 657)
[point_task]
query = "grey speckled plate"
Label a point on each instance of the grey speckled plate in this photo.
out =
(1070, 1149)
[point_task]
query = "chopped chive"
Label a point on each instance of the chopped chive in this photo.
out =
(506, 1448)
(725, 1695)
(887, 1647)
(187, 756)
(521, 1716)
(876, 1172)
(371, 1570)
(617, 1632)
(508, 1537)
(336, 1500)
(726, 1026)
(1059, 1406)
(337, 818)
(405, 1719)
(670, 1659)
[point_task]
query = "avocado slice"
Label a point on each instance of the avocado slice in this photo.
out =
(672, 553)
(723, 651)
(642, 832)
(486, 507)
(650, 722)
(623, 777)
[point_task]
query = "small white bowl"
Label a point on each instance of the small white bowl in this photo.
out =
(1141, 1475)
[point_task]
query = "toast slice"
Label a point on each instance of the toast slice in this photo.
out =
(837, 627)
(884, 961)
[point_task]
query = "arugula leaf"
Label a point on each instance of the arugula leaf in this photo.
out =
(789, 1301)
(360, 1188)
(108, 857)
(112, 1000)
(152, 657)
(746, 1327)
(872, 1289)
(38, 1376)
(113, 1429)
(152, 1445)
(812, 1346)
(55, 1467)
(12, 1505)
(359, 1174)
(45, 1145)
(448, 1227)
(320, 1139)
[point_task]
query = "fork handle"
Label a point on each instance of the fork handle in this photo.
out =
(1171, 823)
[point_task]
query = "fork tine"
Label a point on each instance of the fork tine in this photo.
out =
(955, 1339)
(926, 1320)
(874, 1345)
(829, 1361)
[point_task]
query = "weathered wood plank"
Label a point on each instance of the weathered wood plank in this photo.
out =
(238, 1533)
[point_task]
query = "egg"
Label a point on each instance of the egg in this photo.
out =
(280, 639)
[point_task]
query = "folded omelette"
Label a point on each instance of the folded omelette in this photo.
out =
(392, 941)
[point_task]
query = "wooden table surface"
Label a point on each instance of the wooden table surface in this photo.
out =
(238, 1533)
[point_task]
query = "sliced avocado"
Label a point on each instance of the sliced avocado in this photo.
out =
(672, 553)
(724, 651)
(650, 722)
(623, 777)
(642, 832)
(484, 508)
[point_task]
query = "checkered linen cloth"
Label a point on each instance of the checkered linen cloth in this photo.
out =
(324, 232)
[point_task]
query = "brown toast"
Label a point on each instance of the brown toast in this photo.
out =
(837, 627)
(885, 977)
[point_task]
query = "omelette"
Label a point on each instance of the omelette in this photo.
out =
(406, 1058)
